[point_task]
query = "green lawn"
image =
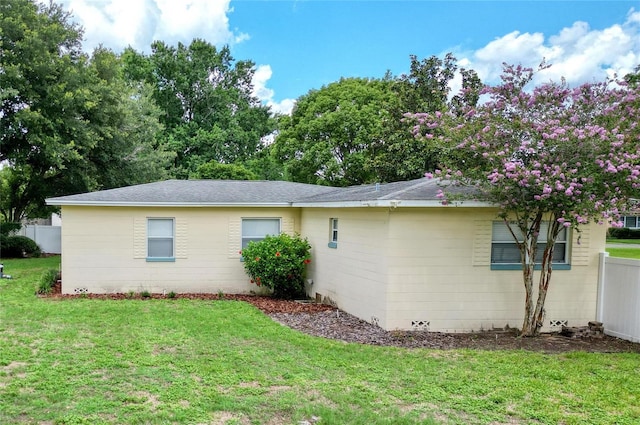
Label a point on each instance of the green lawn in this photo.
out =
(624, 241)
(85, 361)
(624, 252)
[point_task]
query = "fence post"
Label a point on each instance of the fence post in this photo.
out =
(601, 285)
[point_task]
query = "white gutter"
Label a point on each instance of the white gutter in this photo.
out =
(393, 204)
(165, 204)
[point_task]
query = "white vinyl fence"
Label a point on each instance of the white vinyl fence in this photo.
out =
(619, 297)
(48, 238)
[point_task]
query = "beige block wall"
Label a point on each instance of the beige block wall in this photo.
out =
(353, 275)
(104, 249)
(402, 269)
(440, 276)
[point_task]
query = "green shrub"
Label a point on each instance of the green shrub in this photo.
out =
(278, 263)
(18, 247)
(7, 227)
(47, 280)
(624, 233)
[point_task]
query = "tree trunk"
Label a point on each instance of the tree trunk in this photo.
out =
(528, 300)
(543, 286)
(528, 249)
(534, 318)
(545, 273)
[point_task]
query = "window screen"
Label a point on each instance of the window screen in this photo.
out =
(505, 251)
(160, 237)
(631, 221)
(255, 229)
(334, 230)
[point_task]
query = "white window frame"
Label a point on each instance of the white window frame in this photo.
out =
(333, 232)
(635, 218)
(151, 237)
(562, 246)
(244, 239)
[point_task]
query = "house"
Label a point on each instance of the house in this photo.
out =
(391, 254)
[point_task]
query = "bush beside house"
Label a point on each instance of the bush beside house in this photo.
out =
(278, 263)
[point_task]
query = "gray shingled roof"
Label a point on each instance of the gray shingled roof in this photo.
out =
(205, 192)
(247, 192)
(422, 189)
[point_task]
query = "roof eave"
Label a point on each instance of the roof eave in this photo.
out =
(394, 203)
(165, 204)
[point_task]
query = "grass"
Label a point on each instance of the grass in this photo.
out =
(624, 252)
(177, 361)
(624, 241)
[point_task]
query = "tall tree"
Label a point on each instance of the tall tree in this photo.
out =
(208, 109)
(44, 103)
(217, 171)
(126, 124)
(633, 78)
(396, 154)
(68, 123)
(553, 158)
(328, 137)
(354, 131)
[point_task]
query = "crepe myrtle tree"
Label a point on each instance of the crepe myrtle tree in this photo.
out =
(550, 153)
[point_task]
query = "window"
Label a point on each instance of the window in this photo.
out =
(160, 238)
(505, 252)
(255, 229)
(631, 221)
(333, 233)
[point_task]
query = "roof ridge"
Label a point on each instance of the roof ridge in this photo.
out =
(419, 182)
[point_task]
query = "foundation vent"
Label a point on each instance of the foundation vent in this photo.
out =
(80, 290)
(556, 325)
(375, 321)
(420, 325)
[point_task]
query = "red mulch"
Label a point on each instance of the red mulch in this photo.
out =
(316, 319)
(267, 304)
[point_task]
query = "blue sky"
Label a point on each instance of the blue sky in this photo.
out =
(302, 45)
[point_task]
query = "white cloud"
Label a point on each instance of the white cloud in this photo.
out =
(577, 53)
(119, 23)
(260, 78)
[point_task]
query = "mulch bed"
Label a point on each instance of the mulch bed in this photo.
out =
(328, 322)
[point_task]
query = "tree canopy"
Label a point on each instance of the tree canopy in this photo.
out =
(554, 154)
(353, 131)
(216, 171)
(208, 109)
(396, 154)
(43, 104)
(68, 122)
(328, 137)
